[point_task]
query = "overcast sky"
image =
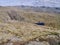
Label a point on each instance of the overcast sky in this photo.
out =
(54, 3)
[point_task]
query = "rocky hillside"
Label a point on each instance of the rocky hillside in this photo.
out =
(17, 27)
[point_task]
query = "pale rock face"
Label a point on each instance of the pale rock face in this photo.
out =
(15, 39)
(37, 43)
(9, 44)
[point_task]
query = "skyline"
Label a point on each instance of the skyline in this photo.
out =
(51, 3)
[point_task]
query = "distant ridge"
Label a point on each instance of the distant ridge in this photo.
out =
(41, 8)
(38, 8)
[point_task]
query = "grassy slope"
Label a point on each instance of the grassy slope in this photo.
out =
(23, 25)
(50, 19)
(24, 32)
